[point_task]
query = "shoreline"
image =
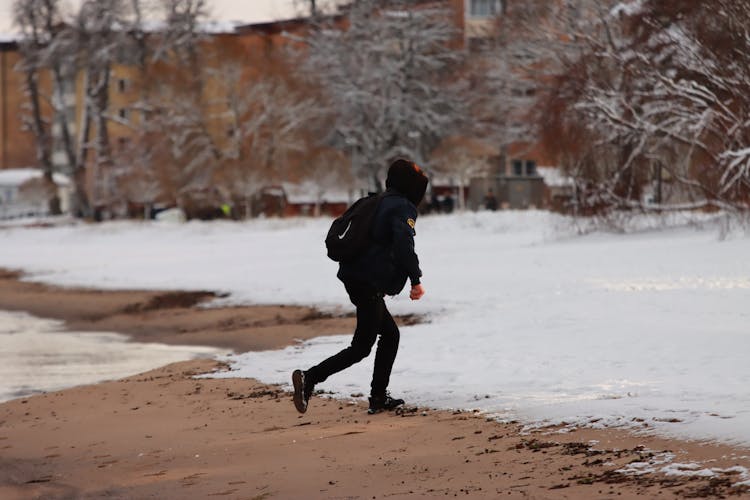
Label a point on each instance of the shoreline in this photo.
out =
(171, 317)
(167, 435)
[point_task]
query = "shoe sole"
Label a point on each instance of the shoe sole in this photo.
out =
(373, 411)
(298, 380)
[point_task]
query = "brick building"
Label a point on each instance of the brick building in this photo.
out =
(17, 147)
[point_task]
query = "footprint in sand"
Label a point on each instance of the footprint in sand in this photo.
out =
(156, 474)
(191, 479)
(223, 493)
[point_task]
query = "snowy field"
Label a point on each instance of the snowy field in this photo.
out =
(526, 319)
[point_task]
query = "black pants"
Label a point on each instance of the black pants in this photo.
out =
(372, 319)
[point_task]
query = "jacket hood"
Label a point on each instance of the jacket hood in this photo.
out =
(407, 178)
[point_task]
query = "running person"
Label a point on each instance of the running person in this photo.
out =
(382, 269)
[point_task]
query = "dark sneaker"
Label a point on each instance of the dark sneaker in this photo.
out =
(383, 403)
(302, 391)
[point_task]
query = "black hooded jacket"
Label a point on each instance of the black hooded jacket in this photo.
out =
(391, 258)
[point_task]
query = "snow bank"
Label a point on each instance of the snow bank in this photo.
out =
(17, 176)
(554, 177)
(627, 8)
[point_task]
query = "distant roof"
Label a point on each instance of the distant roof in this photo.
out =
(208, 27)
(9, 37)
(266, 25)
(310, 192)
(245, 12)
(149, 26)
(280, 25)
(17, 176)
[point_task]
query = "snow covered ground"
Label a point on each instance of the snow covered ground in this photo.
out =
(527, 319)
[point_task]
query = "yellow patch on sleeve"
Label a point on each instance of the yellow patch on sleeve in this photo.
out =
(411, 223)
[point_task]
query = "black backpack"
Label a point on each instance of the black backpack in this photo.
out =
(349, 234)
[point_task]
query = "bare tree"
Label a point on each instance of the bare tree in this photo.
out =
(194, 154)
(657, 97)
(266, 120)
(314, 9)
(168, 132)
(88, 42)
(35, 19)
(389, 80)
(327, 172)
(697, 101)
(181, 30)
(141, 178)
(100, 38)
(461, 159)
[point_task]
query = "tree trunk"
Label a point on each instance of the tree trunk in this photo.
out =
(103, 159)
(81, 207)
(81, 202)
(659, 199)
(53, 198)
(461, 196)
(102, 129)
(43, 140)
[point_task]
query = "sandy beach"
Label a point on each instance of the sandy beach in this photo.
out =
(165, 434)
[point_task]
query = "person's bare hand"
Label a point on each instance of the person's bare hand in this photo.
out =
(416, 292)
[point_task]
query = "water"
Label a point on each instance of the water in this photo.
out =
(38, 355)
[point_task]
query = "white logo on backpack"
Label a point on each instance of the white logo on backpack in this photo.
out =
(341, 236)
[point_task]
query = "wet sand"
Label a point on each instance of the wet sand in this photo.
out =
(172, 317)
(164, 434)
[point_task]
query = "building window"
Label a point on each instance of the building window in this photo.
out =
(123, 113)
(521, 168)
(122, 85)
(531, 168)
(484, 8)
(517, 167)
